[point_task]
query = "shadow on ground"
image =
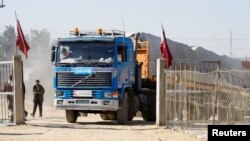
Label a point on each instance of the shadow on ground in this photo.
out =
(100, 125)
(20, 134)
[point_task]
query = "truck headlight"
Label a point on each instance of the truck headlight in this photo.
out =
(59, 102)
(107, 94)
(60, 93)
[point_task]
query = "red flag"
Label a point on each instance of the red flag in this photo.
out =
(165, 52)
(20, 40)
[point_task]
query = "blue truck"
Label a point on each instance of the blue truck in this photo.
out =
(101, 72)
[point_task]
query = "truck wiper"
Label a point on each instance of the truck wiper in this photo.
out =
(84, 79)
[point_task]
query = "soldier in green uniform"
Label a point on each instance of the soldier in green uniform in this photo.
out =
(38, 92)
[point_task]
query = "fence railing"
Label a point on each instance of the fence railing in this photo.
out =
(11, 89)
(196, 98)
(6, 93)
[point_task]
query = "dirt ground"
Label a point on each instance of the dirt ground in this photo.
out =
(53, 127)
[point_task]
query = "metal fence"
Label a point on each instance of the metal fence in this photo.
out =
(200, 93)
(7, 96)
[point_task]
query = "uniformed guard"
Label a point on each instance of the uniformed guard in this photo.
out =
(38, 92)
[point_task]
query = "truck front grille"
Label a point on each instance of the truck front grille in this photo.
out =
(69, 79)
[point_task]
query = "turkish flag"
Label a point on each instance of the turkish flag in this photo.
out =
(20, 40)
(165, 52)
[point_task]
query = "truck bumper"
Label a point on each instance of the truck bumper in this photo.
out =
(87, 104)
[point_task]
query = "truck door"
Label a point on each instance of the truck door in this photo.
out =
(123, 67)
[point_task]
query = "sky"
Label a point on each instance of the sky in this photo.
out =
(205, 23)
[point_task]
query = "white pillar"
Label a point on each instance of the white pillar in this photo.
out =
(160, 93)
(18, 90)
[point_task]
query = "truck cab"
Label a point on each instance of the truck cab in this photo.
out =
(94, 72)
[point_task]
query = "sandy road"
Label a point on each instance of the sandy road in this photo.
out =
(53, 127)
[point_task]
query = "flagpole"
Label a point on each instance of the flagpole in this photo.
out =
(17, 31)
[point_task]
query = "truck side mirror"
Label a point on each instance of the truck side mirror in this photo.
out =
(53, 47)
(53, 56)
(53, 53)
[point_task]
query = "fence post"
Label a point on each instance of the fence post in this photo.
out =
(18, 90)
(215, 104)
(160, 93)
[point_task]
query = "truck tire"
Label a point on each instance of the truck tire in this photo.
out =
(108, 116)
(149, 115)
(104, 116)
(111, 116)
(131, 105)
(148, 107)
(71, 116)
(122, 113)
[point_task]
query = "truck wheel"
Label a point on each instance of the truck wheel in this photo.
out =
(111, 116)
(122, 114)
(104, 116)
(71, 116)
(131, 105)
(149, 113)
(148, 109)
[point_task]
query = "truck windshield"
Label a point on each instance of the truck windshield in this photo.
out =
(85, 52)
